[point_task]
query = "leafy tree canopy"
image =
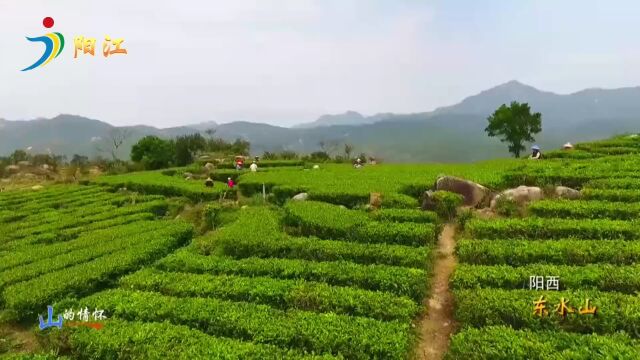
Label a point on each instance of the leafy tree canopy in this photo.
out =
(153, 152)
(515, 125)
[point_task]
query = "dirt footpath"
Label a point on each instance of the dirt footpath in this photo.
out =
(437, 326)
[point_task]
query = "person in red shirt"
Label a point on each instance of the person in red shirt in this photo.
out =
(230, 182)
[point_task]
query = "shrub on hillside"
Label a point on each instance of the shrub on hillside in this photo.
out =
(507, 207)
(447, 204)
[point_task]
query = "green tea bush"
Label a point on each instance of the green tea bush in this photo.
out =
(572, 154)
(605, 277)
(264, 164)
(615, 312)
(463, 217)
(551, 228)
(609, 184)
(38, 252)
(45, 265)
(324, 250)
(578, 209)
(59, 235)
(153, 182)
(284, 294)
(399, 201)
(570, 252)
(621, 195)
(169, 172)
(616, 150)
(507, 207)
(351, 337)
(328, 221)
(397, 280)
(154, 340)
(404, 215)
(505, 343)
(447, 204)
(257, 232)
(29, 297)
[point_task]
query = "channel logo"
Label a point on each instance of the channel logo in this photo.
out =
(54, 43)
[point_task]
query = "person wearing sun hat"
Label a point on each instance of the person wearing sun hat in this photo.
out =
(536, 153)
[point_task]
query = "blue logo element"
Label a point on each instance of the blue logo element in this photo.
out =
(54, 43)
(50, 322)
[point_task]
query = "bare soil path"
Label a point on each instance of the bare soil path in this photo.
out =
(437, 326)
(17, 338)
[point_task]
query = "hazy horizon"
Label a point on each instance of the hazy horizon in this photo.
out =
(289, 62)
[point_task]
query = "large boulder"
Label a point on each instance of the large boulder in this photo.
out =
(520, 195)
(188, 176)
(300, 197)
(209, 166)
(564, 192)
(428, 201)
(24, 163)
(474, 194)
(37, 187)
(12, 169)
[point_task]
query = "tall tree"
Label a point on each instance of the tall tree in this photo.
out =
(187, 146)
(153, 152)
(19, 155)
(515, 125)
(114, 141)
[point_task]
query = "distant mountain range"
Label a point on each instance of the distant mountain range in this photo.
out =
(348, 118)
(447, 134)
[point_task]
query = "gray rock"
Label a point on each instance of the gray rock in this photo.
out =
(564, 192)
(521, 195)
(209, 166)
(474, 194)
(428, 202)
(300, 197)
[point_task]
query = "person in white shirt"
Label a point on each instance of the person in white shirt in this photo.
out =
(254, 167)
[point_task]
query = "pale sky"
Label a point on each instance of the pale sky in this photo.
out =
(289, 61)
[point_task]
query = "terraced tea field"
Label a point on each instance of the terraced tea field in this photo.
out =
(326, 278)
(590, 246)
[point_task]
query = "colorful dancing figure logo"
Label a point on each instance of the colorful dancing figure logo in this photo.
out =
(54, 43)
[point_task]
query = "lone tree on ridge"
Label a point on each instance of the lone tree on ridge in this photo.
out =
(514, 124)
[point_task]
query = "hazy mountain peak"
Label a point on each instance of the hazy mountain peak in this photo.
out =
(349, 117)
(204, 126)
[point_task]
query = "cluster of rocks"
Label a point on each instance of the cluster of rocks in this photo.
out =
(478, 196)
(475, 195)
